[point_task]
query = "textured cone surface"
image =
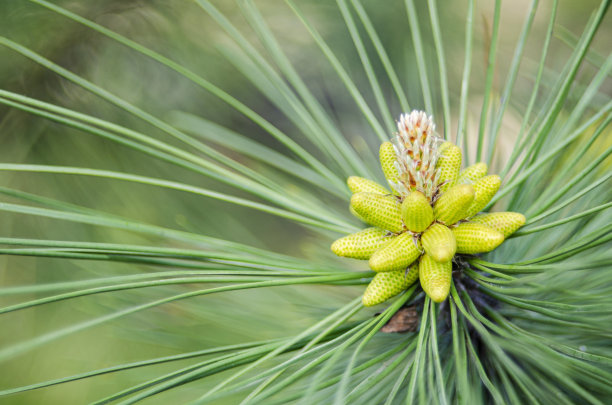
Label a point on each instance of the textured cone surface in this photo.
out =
(484, 190)
(387, 158)
(505, 222)
(472, 173)
(361, 245)
(453, 204)
(400, 253)
(388, 284)
(363, 185)
(476, 238)
(448, 165)
(435, 277)
(382, 211)
(439, 243)
(416, 212)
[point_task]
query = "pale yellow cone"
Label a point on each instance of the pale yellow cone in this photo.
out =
(416, 212)
(361, 245)
(400, 253)
(382, 211)
(435, 277)
(449, 164)
(484, 190)
(439, 242)
(475, 238)
(472, 173)
(505, 222)
(453, 204)
(388, 284)
(362, 185)
(387, 158)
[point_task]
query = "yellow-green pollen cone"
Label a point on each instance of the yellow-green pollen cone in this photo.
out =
(363, 185)
(435, 277)
(472, 173)
(387, 157)
(439, 242)
(417, 212)
(505, 222)
(388, 284)
(397, 255)
(427, 213)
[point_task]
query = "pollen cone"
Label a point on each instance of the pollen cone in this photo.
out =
(416, 212)
(484, 190)
(382, 211)
(400, 253)
(474, 238)
(361, 245)
(449, 164)
(387, 158)
(504, 222)
(435, 277)
(439, 243)
(388, 284)
(453, 204)
(362, 185)
(472, 173)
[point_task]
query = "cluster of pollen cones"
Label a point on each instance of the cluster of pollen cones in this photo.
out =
(429, 213)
